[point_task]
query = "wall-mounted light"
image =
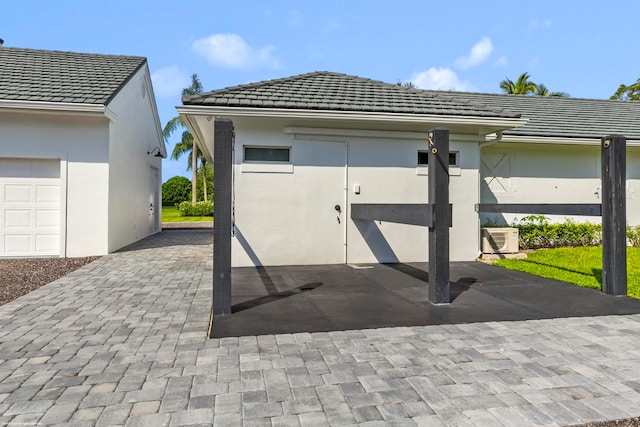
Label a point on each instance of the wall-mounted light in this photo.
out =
(158, 154)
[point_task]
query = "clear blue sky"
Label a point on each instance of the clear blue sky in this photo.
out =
(583, 47)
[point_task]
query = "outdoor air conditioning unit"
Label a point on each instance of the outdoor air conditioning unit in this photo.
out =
(500, 240)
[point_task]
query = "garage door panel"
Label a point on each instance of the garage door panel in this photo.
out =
(17, 244)
(17, 193)
(47, 194)
(47, 218)
(47, 244)
(17, 218)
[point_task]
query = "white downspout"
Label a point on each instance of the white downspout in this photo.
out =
(347, 209)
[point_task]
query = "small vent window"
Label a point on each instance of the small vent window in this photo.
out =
(267, 154)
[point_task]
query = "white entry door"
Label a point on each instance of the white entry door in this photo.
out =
(321, 167)
(30, 207)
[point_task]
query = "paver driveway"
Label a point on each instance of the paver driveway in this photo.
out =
(122, 341)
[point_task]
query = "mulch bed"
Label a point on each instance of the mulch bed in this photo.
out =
(23, 275)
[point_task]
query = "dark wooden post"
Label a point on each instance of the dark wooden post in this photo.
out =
(614, 215)
(222, 184)
(439, 201)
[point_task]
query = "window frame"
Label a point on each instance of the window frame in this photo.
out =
(267, 166)
(423, 168)
(266, 147)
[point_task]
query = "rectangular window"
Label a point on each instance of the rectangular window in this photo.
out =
(267, 154)
(423, 158)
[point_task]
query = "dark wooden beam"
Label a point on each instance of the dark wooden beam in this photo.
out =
(588, 209)
(614, 223)
(222, 184)
(414, 214)
(439, 287)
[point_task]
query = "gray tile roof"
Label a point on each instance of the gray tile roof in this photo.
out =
(563, 117)
(54, 76)
(548, 116)
(340, 92)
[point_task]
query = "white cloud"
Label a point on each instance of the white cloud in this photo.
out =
(230, 50)
(169, 81)
(440, 79)
(479, 53)
(502, 60)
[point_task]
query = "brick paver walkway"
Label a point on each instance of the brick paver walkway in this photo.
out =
(122, 341)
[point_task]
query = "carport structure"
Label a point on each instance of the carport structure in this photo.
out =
(300, 182)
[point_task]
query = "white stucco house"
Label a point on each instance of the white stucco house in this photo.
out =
(78, 138)
(307, 147)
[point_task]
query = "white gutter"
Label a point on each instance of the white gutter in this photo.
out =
(557, 140)
(52, 106)
(349, 115)
(492, 139)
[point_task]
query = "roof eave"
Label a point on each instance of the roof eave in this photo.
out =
(441, 119)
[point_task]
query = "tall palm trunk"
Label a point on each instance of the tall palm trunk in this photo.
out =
(194, 169)
(204, 178)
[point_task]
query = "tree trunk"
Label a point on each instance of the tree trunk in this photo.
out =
(204, 178)
(194, 169)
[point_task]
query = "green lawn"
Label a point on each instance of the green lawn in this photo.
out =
(171, 214)
(581, 266)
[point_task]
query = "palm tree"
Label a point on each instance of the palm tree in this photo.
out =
(522, 85)
(542, 90)
(406, 85)
(628, 93)
(187, 143)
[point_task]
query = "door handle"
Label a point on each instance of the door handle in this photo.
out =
(338, 208)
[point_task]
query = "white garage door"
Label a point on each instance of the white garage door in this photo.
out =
(29, 207)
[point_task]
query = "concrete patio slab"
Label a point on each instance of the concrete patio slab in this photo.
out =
(122, 341)
(293, 299)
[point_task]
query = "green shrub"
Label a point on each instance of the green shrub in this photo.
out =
(536, 232)
(177, 189)
(199, 209)
(633, 235)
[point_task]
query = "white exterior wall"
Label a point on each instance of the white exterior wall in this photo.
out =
(133, 132)
(80, 144)
(386, 171)
(548, 173)
(284, 214)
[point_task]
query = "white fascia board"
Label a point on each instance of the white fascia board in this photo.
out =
(443, 120)
(514, 139)
(154, 107)
(68, 107)
(302, 132)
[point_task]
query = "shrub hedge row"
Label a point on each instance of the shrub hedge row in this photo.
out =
(199, 209)
(536, 232)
